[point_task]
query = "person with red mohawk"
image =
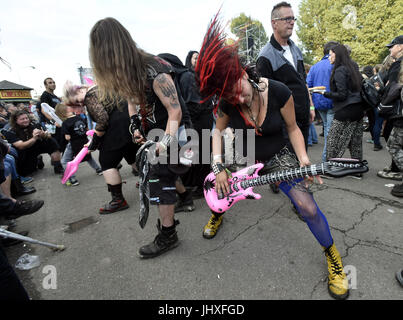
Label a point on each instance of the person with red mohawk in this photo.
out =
(250, 102)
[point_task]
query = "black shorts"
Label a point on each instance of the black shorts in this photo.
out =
(111, 159)
(162, 185)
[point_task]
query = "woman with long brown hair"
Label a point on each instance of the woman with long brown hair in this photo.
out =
(122, 70)
(346, 130)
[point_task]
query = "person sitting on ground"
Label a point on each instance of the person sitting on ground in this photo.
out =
(31, 141)
(3, 116)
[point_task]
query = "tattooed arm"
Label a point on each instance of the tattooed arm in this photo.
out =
(165, 90)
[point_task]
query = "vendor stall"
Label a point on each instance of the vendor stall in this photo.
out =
(14, 93)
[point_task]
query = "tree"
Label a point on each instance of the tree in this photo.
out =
(251, 36)
(366, 26)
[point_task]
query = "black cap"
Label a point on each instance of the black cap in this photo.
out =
(397, 40)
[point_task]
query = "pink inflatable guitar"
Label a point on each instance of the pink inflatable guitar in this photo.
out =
(242, 182)
(72, 166)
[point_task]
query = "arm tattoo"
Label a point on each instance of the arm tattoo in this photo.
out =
(168, 90)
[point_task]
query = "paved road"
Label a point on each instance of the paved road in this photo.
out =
(263, 251)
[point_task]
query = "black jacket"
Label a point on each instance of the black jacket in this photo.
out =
(393, 77)
(272, 64)
(342, 92)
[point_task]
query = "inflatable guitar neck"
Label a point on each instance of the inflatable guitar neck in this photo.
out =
(242, 182)
(72, 166)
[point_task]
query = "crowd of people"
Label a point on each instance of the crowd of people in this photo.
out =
(137, 93)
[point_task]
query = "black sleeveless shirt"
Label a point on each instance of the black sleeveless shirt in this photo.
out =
(271, 140)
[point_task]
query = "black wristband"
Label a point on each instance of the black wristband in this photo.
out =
(135, 123)
(95, 142)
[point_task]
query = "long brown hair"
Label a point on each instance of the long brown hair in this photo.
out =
(343, 59)
(118, 64)
(20, 132)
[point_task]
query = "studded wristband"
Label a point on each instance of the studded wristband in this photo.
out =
(217, 168)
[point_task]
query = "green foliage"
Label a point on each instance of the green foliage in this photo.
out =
(245, 27)
(366, 26)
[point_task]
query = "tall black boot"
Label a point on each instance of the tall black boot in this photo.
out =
(117, 203)
(18, 189)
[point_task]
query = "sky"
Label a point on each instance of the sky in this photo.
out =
(48, 38)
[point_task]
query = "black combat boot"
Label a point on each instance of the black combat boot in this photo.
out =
(165, 240)
(117, 203)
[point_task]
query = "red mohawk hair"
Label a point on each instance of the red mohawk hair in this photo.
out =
(218, 67)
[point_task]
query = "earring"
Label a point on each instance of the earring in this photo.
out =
(253, 83)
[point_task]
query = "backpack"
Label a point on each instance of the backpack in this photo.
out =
(391, 106)
(369, 92)
(178, 69)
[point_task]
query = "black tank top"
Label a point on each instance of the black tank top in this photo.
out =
(271, 139)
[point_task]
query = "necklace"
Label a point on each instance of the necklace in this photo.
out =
(251, 114)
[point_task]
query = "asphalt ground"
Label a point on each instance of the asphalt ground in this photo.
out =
(262, 251)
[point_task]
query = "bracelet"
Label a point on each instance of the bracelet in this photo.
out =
(217, 157)
(217, 168)
(312, 108)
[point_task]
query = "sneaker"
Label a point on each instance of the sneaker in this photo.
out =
(68, 183)
(162, 243)
(73, 182)
(185, 203)
(25, 207)
(378, 147)
(397, 190)
(99, 172)
(211, 228)
(398, 176)
(370, 141)
(26, 180)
